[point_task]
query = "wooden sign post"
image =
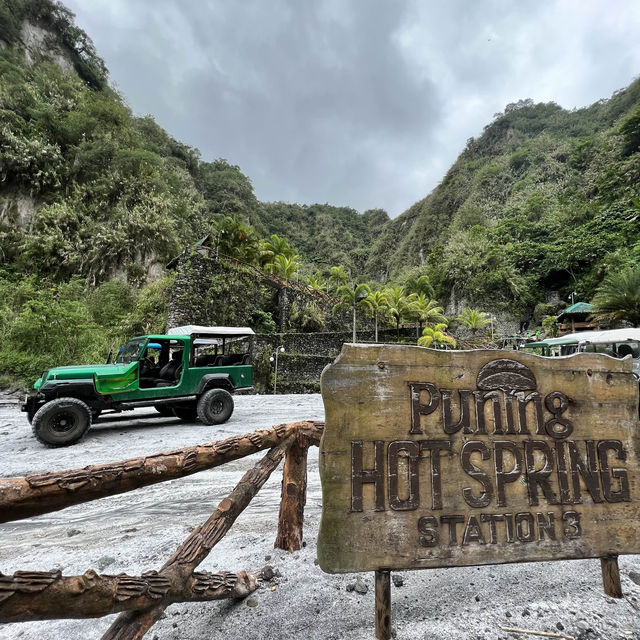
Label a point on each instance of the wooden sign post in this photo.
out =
(452, 458)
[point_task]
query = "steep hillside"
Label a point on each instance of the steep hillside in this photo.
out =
(94, 202)
(545, 199)
(325, 235)
(87, 188)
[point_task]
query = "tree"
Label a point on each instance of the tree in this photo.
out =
(630, 131)
(275, 246)
(353, 298)
(473, 319)
(307, 317)
(420, 285)
(337, 277)
(317, 282)
(437, 337)
(398, 306)
(425, 310)
(237, 239)
(550, 326)
(378, 302)
(226, 190)
(283, 266)
(618, 297)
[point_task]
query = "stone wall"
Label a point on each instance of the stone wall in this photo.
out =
(300, 373)
(305, 356)
(219, 292)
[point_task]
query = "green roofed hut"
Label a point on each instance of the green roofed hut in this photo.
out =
(575, 318)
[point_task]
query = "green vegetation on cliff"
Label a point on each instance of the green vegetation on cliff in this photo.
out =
(94, 202)
(545, 199)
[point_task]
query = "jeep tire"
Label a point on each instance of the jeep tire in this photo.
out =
(61, 422)
(215, 406)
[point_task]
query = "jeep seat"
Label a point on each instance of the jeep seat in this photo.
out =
(169, 374)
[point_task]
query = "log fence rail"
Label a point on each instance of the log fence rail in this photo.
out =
(141, 600)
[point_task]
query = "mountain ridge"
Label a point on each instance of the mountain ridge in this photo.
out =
(519, 214)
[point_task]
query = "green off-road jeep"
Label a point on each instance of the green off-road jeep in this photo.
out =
(189, 373)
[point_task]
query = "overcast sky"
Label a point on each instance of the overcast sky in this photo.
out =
(363, 103)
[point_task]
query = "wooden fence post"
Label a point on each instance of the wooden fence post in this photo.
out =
(611, 576)
(383, 604)
(294, 496)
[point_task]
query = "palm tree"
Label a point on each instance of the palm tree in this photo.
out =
(418, 286)
(378, 302)
(398, 305)
(352, 298)
(618, 297)
(425, 310)
(273, 247)
(283, 266)
(317, 282)
(473, 319)
(337, 277)
(437, 337)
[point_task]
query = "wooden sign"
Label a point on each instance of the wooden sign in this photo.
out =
(442, 459)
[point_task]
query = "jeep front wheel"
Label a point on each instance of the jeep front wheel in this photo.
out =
(61, 422)
(215, 406)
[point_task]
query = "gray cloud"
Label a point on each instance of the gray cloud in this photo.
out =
(364, 104)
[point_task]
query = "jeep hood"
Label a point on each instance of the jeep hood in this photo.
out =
(78, 372)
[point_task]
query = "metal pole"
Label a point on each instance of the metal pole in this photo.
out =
(274, 359)
(275, 379)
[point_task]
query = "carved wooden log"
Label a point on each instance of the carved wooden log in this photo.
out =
(294, 497)
(30, 595)
(132, 625)
(42, 493)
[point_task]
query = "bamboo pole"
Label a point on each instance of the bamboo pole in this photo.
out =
(37, 595)
(42, 493)
(132, 625)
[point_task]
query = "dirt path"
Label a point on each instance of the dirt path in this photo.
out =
(137, 531)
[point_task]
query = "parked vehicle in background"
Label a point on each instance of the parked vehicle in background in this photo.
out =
(191, 373)
(617, 343)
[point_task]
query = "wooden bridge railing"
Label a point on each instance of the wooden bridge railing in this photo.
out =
(42, 595)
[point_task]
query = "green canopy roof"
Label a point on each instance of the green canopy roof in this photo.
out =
(553, 342)
(578, 308)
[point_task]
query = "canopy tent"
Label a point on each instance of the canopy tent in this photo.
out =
(575, 317)
(220, 332)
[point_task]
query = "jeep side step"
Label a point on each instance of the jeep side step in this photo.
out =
(126, 406)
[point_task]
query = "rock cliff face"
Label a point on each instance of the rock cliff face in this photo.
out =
(34, 42)
(17, 210)
(38, 42)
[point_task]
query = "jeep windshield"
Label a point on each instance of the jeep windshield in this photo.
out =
(130, 351)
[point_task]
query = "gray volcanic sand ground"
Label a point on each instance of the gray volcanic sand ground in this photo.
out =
(138, 531)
